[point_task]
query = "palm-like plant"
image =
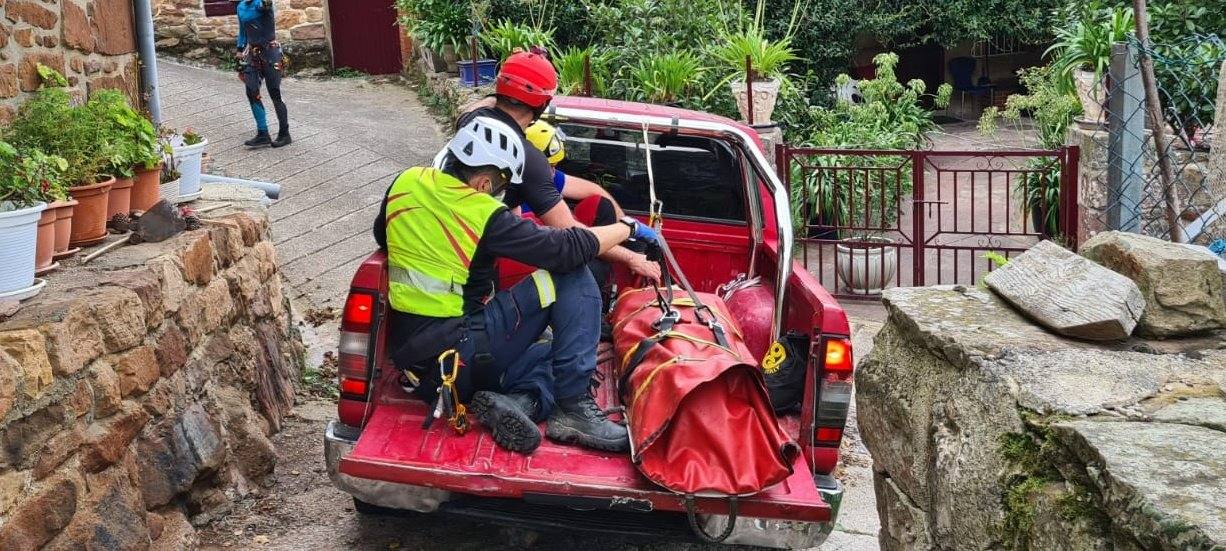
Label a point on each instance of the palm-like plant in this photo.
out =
(768, 57)
(506, 37)
(1085, 42)
(664, 77)
(570, 70)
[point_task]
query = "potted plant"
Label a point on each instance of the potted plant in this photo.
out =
(867, 263)
(665, 77)
(1051, 111)
(438, 26)
(22, 202)
(187, 155)
(49, 122)
(768, 60)
(118, 123)
(1081, 54)
(168, 178)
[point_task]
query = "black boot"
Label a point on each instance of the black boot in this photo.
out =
(262, 139)
(283, 138)
(509, 419)
(580, 421)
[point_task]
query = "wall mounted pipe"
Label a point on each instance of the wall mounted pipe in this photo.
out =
(143, 12)
(272, 191)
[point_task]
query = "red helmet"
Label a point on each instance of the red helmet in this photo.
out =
(529, 78)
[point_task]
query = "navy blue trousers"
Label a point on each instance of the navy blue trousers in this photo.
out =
(264, 68)
(515, 321)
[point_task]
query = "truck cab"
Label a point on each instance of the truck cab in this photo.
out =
(727, 220)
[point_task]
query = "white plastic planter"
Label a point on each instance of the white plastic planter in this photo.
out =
(169, 191)
(187, 160)
(866, 269)
(18, 235)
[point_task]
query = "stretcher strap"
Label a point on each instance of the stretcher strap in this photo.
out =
(691, 511)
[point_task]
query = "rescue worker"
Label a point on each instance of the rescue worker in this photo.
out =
(443, 230)
(261, 61)
(523, 89)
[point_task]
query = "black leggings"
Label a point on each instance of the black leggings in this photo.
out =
(264, 66)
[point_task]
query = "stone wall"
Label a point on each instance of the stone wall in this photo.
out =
(183, 29)
(988, 432)
(91, 42)
(138, 395)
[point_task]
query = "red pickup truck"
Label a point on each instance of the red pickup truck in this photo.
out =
(725, 215)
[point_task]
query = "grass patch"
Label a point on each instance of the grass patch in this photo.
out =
(321, 381)
(348, 72)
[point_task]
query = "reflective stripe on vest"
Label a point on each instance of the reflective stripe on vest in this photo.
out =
(434, 223)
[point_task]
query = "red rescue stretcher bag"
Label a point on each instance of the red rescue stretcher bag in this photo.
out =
(697, 408)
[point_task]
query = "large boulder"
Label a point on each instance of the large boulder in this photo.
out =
(1069, 294)
(1182, 286)
(957, 402)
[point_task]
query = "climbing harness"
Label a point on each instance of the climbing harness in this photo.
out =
(448, 404)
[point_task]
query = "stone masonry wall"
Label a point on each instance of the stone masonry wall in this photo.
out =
(92, 42)
(182, 28)
(138, 396)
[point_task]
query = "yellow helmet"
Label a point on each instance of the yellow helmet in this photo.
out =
(549, 139)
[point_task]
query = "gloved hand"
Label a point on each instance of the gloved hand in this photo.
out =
(645, 233)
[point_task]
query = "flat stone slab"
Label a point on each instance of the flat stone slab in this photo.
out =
(1166, 479)
(1069, 294)
(1208, 412)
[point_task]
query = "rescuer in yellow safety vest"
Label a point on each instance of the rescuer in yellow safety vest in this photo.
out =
(442, 230)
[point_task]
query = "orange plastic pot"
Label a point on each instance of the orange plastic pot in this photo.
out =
(89, 216)
(145, 190)
(44, 245)
(63, 224)
(121, 197)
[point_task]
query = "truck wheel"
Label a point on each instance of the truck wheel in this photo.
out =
(364, 508)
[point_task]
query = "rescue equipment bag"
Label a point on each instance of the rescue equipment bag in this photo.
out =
(696, 405)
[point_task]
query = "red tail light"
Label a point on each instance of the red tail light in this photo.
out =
(834, 396)
(353, 358)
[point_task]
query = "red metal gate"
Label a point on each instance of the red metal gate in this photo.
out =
(867, 220)
(365, 36)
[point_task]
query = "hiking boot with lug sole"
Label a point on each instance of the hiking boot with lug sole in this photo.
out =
(260, 140)
(283, 139)
(580, 421)
(509, 419)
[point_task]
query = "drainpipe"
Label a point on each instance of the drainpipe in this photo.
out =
(148, 58)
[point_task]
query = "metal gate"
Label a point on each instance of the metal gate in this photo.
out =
(867, 220)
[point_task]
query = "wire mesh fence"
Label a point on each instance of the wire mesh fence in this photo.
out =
(1157, 171)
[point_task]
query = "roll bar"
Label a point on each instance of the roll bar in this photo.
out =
(779, 194)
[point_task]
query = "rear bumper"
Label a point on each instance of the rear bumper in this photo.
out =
(339, 440)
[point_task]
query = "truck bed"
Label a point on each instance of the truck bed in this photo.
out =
(393, 447)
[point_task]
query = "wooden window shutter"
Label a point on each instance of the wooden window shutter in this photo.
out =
(215, 8)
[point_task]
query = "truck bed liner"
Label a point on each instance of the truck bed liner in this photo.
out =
(393, 447)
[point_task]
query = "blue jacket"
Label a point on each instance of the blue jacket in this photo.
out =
(256, 23)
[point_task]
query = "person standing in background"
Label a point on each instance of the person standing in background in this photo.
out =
(260, 61)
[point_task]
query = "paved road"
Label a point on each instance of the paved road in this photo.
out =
(351, 138)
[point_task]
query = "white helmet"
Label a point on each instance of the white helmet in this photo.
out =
(485, 141)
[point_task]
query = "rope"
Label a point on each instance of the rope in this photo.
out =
(692, 513)
(656, 209)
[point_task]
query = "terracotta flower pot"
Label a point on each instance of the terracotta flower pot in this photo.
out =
(121, 197)
(63, 224)
(44, 248)
(89, 216)
(145, 190)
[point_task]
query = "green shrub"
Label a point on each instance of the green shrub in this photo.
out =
(30, 176)
(665, 78)
(131, 139)
(570, 70)
(49, 122)
(506, 37)
(437, 23)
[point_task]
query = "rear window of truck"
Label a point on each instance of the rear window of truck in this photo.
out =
(696, 177)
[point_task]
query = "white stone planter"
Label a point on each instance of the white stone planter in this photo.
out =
(18, 237)
(187, 160)
(169, 191)
(866, 269)
(1091, 93)
(765, 93)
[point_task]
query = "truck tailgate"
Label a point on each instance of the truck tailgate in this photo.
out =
(394, 448)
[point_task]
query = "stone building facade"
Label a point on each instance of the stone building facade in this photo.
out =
(92, 42)
(183, 28)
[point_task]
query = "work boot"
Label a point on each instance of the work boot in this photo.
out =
(580, 421)
(262, 139)
(509, 419)
(283, 139)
